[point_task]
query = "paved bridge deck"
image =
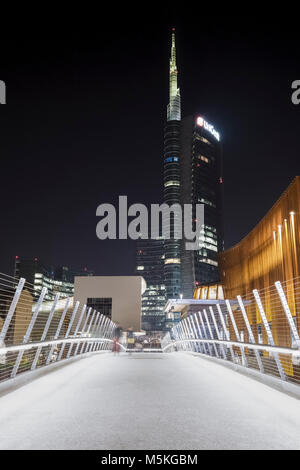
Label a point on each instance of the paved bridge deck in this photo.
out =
(148, 401)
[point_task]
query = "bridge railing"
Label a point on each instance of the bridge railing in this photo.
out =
(36, 331)
(258, 331)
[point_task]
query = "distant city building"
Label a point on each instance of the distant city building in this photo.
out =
(201, 183)
(38, 276)
(204, 296)
(150, 263)
(64, 273)
(117, 297)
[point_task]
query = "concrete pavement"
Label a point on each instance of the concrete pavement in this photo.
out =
(148, 401)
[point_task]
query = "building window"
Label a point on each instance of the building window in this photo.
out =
(203, 139)
(172, 261)
(207, 202)
(103, 305)
(172, 183)
(171, 159)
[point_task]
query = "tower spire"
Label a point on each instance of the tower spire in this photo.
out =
(174, 107)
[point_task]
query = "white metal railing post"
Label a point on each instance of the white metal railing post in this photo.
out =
(44, 334)
(82, 334)
(110, 333)
(11, 310)
(193, 334)
(182, 335)
(177, 329)
(106, 326)
(110, 330)
(269, 332)
(68, 330)
(77, 329)
(199, 345)
(99, 333)
(217, 331)
(62, 318)
(184, 323)
(210, 332)
(204, 332)
(103, 344)
(91, 344)
(288, 313)
(205, 347)
(237, 334)
(113, 329)
(176, 336)
(250, 333)
(226, 334)
(93, 333)
(28, 332)
(84, 345)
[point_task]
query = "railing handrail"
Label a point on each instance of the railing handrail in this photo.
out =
(32, 336)
(268, 325)
(258, 347)
(28, 346)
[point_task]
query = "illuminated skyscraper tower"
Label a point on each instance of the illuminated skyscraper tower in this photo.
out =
(172, 178)
(174, 106)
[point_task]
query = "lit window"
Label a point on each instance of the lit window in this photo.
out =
(203, 139)
(140, 268)
(171, 159)
(208, 261)
(207, 202)
(172, 261)
(172, 183)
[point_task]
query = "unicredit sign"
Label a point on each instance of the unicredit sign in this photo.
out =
(209, 127)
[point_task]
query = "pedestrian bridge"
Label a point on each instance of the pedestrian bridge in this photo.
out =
(214, 385)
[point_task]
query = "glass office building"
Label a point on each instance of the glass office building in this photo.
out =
(202, 183)
(38, 276)
(150, 259)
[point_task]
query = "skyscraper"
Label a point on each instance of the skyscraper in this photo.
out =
(172, 178)
(158, 261)
(192, 175)
(201, 183)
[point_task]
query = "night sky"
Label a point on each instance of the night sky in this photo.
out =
(84, 124)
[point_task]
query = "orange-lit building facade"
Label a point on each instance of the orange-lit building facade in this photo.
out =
(209, 292)
(269, 253)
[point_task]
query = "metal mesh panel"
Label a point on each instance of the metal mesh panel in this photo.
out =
(258, 331)
(35, 333)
